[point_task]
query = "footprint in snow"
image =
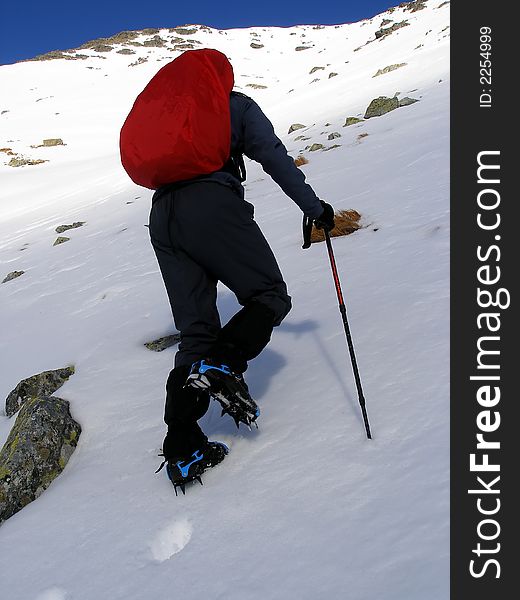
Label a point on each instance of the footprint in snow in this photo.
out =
(171, 540)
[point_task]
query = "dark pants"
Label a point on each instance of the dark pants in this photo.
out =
(203, 233)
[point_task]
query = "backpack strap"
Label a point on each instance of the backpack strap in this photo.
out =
(236, 167)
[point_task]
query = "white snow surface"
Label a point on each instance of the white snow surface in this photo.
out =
(306, 507)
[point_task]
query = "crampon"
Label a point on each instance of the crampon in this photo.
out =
(228, 388)
(182, 472)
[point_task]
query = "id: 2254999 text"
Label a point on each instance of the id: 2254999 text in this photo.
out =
(485, 67)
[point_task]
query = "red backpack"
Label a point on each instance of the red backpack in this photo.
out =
(180, 125)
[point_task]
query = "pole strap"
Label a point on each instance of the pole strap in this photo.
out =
(307, 230)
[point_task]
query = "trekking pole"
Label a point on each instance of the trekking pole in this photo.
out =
(343, 311)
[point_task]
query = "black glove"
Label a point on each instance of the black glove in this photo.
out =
(326, 219)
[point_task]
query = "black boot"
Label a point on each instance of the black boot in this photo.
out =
(187, 469)
(186, 449)
(227, 387)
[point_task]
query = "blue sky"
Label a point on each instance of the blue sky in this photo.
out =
(28, 29)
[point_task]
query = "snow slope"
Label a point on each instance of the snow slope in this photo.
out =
(306, 507)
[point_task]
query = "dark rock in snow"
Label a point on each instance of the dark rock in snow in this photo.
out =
(53, 142)
(380, 106)
(60, 240)
(388, 69)
(12, 275)
(39, 446)
(20, 161)
(407, 101)
(164, 342)
(352, 121)
(40, 385)
(75, 225)
(296, 126)
(382, 33)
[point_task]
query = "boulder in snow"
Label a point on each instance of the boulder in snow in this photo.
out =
(407, 101)
(380, 106)
(60, 240)
(40, 385)
(296, 126)
(75, 225)
(352, 121)
(12, 275)
(164, 342)
(39, 446)
(388, 69)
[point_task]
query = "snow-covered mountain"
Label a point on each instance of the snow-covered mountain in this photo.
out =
(306, 507)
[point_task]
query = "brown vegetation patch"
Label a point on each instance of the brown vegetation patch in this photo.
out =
(300, 160)
(346, 222)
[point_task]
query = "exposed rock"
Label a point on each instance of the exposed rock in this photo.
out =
(414, 5)
(256, 46)
(382, 33)
(332, 147)
(40, 385)
(60, 240)
(75, 225)
(183, 31)
(139, 61)
(39, 446)
(256, 86)
(315, 147)
(156, 42)
(164, 342)
(300, 48)
(406, 101)
(385, 22)
(388, 69)
(352, 121)
(126, 51)
(12, 275)
(184, 46)
(332, 74)
(334, 135)
(20, 161)
(314, 69)
(296, 126)
(50, 142)
(101, 48)
(57, 54)
(380, 106)
(122, 37)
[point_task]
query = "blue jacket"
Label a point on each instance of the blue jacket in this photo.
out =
(253, 134)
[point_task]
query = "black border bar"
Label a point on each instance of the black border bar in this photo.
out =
(484, 327)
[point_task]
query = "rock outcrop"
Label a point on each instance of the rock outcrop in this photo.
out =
(39, 446)
(37, 386)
